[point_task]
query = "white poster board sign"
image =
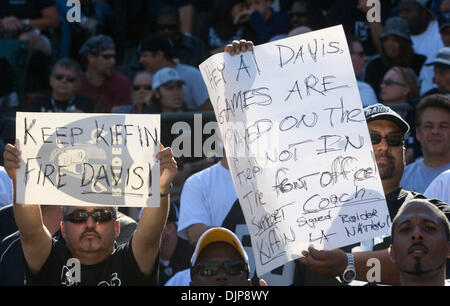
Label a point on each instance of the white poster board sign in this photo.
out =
(297, 145)
(88, 159)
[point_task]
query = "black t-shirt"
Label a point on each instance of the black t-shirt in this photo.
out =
(48, 104)
(23, 8)
(119, 269)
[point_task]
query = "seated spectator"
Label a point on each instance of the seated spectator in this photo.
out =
(167, 91)
(444, 27)
(433, 133)
(359, 60)
(439, 187)
(229, 22)
(425, 35)
(265, 21)
(175, 251)
(6, 191)
(187, 49)
(25, 20)
(156, 53)
(306, 13)
(420, 244)
(400, 91)
(64, 83)
(108, 88)
(396, 50)
(142, 93)
(442, 72)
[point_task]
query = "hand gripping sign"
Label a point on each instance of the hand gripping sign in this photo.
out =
(88, 159)
(298, 147)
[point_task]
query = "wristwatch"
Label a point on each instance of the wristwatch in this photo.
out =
(350, 271)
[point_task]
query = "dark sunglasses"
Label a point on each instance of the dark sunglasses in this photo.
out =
(107, 56)
(138, 87)
(81, 216)
(169, 27)
(391, 140)
(390, 82)
(211, 268)
(59, 77)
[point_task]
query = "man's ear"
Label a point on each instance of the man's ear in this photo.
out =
(392, 253)
(117, 228)
(63, 229)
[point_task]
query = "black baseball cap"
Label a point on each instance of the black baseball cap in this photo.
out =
(382, 112)
(156, 42)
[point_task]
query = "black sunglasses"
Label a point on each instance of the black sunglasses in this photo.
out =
(107, 56)
(211, 268)
(60, 76)
(169, 27)
(391, 140)
(146, 87)
(390, 82)
(80, 216)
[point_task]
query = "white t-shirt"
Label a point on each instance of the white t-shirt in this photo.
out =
(418, 176)
(6, 188)
(439, 187)
(428, 43)
(181, 278)
(207, 197)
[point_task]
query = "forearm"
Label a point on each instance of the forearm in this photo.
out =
(376, 29)
(28, 218)
(380, 267)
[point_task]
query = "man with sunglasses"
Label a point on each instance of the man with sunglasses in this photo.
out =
(88, 256)
(108, 88)
(64, 82)
(387, 130)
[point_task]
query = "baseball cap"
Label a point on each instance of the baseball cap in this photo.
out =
(397, 26)
(218, 234)
(165, 76)
(97, 44)
(444, 20)
(442, 58)
(382, 112)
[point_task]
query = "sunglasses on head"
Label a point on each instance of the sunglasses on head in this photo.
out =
(81, 216)
(390, 82)
(138, 87)
(211, 268)
(391, 140)
(60, 76)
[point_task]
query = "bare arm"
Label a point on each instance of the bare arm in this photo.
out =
(333, 263)
(49, 18)
(36, 240)
(147, 237)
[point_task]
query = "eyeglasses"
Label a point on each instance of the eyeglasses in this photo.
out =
(211, 268)
(391, 140)
(80, 216)
(389, 82)
(68, 78)
(169, 27)
(146, 87)
(107, 56)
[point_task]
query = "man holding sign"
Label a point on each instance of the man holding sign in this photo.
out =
(89, 257)
(386, 131)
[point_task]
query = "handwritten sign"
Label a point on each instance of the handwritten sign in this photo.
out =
(297, 145)
(88, 159)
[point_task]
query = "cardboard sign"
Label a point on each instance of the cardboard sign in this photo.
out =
(88, 159)
(297, 145)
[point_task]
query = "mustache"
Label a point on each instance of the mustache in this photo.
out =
(90, 231)
(386, 155)
(416, 244)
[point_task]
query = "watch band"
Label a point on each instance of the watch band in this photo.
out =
(165, 194)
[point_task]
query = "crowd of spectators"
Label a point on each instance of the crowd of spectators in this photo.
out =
(142, 57)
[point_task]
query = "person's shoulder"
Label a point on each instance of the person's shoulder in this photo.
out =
(118, 76)
(184, 68)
